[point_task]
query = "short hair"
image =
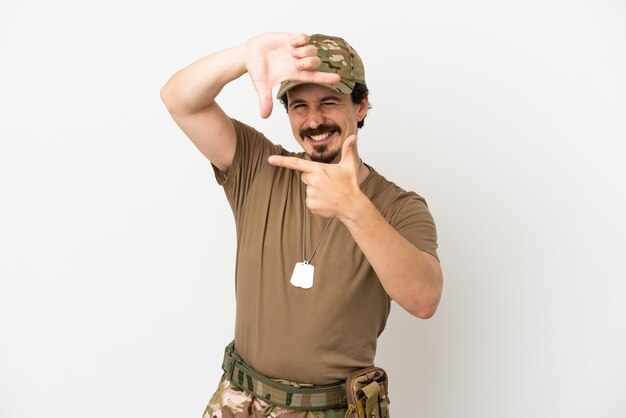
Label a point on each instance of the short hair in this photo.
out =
(359, 92)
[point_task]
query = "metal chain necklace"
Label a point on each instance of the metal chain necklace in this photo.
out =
(304, 271)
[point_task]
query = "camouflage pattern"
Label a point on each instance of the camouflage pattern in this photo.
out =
(243, 392)
(280, 393)
(231, 402)
(338, 57)
(367, 392)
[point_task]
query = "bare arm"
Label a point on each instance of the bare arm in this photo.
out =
(411, 277)
(190, 98)
(270, 58)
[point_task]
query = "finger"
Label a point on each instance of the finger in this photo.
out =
(265, 98)
(307, 64)
(316, 77)
(293, 163)
(312, 179)
(349, 151)
(307, 179)
(299, 39)
(304, 51)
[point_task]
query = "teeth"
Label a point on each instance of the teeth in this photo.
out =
(320, 137)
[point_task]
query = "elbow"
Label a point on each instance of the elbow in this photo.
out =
(166, 96)
(172, 98)
(426, 299)
(424, 303)
(424, 310)
(426, 313)
(176, 103)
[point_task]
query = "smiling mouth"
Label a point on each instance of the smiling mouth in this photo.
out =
(320, 137)
(320, 134)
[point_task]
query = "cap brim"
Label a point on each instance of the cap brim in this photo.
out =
(340, 87)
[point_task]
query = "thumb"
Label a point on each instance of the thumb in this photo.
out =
(349, 152)
(265, 98)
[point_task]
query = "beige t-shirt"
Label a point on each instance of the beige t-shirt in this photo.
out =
(318, 335)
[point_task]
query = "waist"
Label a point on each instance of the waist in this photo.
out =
(292, 396)
(308, 356)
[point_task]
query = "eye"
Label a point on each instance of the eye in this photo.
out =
(298, 106)
(329, 103)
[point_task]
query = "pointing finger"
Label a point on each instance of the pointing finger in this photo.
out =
(293, 163)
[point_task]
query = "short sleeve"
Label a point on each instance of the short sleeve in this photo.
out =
(251, 153)
(413, 220)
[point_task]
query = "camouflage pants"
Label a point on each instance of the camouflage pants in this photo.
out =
(231, 402)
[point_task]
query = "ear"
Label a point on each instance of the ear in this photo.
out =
(362, 109)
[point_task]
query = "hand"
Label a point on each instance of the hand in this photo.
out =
(275, 57)
(332, 190)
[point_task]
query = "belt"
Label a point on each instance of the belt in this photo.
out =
(312, 398)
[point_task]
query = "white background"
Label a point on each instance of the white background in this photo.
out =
(117, 248)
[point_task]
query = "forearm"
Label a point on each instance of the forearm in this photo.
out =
(409, 276)
(196, 86)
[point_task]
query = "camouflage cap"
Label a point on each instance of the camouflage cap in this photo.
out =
(337, 57)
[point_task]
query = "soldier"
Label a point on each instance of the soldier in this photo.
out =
(324, 242)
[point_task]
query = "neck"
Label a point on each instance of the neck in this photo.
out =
(363, 172)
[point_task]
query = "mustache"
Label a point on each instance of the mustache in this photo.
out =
(319, 130)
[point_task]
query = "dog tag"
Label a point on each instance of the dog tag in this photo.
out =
(302, 275)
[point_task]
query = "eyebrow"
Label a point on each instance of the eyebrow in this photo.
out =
(323, 99)
(295, 102)
(332, 97)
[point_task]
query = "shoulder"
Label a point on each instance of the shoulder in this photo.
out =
(246, 131)
(249, 137)
(387, 193)
(406, 211)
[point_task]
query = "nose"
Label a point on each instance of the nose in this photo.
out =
(315, 117)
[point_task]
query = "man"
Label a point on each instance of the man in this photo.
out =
(324, 242)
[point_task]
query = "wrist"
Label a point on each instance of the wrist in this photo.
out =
(356, 209)
(240, 58)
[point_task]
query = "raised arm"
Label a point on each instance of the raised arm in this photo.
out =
(269, 58)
